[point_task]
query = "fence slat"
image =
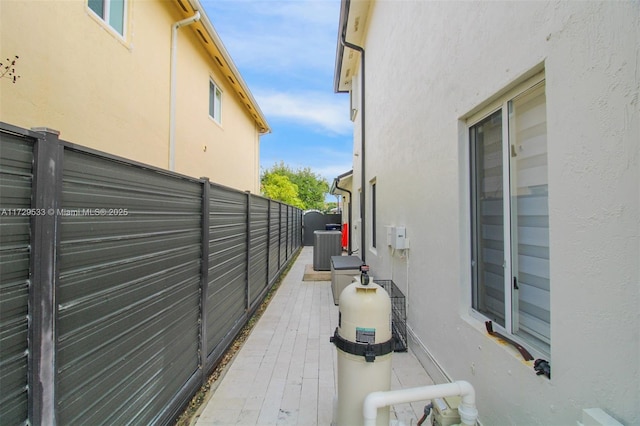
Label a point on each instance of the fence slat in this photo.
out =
(258, 247)
(141, 279)
(227, 260)
(16, 178)
(128, 290)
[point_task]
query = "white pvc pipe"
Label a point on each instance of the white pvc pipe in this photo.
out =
(172, 100)
(466, 409)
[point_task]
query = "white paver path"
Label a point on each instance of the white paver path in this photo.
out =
(285, 373)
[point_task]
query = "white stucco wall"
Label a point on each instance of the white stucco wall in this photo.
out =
(428, 65)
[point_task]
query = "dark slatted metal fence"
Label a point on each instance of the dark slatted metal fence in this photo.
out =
(284, 229)
(121, 285)
(128, 289)
(227, 293)
(258, 247)
(275, 237)
(16, 177)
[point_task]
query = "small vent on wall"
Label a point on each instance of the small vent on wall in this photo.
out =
(249, 106)
(183, 6)
(241, 95)
(202, 36)
(231, 79)
(219, 61)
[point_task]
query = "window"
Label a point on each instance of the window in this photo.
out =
(110, 11)
(510, 217)
(215, 101)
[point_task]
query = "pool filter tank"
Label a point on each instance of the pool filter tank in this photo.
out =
(364, 345)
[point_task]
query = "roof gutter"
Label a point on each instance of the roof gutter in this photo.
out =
(363, 183)
(335, 184)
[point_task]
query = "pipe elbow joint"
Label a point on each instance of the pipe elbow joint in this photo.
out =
(372, 402)
(466, 409)
(188, 21)
(467, 391)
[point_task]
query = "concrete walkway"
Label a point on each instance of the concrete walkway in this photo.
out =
(285, 373)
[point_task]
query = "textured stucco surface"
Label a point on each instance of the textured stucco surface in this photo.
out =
(430, 65)
(112, 93)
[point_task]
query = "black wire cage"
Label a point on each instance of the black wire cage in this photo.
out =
(398, 315)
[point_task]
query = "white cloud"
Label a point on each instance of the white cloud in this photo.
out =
(278, 36)
(333, 171)
(285, 51)
(327, 112)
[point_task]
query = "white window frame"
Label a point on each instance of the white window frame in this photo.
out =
(501, 103)
(216, 106)
(105, 16)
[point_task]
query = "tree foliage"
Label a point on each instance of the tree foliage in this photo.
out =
(310, 188)
(279, 187)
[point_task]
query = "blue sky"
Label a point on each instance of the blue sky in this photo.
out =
(285, 51)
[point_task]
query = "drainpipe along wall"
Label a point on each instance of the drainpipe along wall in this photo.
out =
(363, 181)
(349, 216)
(172, 100)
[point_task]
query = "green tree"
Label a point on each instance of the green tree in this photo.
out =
(330, 205)
(311, 188)
(280, 188)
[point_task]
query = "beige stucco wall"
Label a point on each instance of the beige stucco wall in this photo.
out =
(232, 147)
(429, 64)
(112, 93)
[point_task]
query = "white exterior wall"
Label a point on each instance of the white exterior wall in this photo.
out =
(356, 227)
(428, 65)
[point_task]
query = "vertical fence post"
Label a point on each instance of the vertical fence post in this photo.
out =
(287, 250)
(298, 229)
(204, 277)
(279, 235)
(45, 228)
(268, 240)
(248, 269)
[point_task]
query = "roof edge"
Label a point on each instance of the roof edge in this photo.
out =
(208, 26)
(342, 24)
(334, 184)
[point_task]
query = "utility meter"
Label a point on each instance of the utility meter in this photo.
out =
(398, 237)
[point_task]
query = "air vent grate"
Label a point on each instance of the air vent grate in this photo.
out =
(183, 6)
(202, 36)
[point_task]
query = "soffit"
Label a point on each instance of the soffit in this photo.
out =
(212, 43)
(344, 181)
(353, 22)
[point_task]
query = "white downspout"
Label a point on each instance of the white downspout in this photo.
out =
(172, 100)
(466, 409)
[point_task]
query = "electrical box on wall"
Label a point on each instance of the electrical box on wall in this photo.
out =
(398, 237)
